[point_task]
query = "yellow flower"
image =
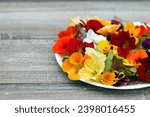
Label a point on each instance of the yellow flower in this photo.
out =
(102, 21)
(108, 29)
(73, 65)
(108, 78)
(104, 46)
(132, 29)
(94, 66)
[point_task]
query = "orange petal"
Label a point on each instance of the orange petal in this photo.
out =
(76, 58)
(135, 57)
(66, 65)
(86, 57)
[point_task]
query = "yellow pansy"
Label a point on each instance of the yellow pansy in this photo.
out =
(108, 78)
(74, 64)
(94, 66)
(102, 21)
(104, 46)
(132, 29)
(108, 29)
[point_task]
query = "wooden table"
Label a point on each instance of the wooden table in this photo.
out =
(28, 69)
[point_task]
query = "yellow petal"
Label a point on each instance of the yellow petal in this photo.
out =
(104, 46)
(136, 32)
(102, 21)
(108, 29)
(127, 62)
(73, 74)
(129, 26)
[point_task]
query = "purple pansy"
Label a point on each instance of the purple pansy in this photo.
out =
(146, 45)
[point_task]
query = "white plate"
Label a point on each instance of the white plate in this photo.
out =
(136, 86)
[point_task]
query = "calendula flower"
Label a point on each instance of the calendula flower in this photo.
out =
(144, 69)
(108, 78)
(124, 42)
(110, 29)
(93, 37)
(134, 58)
(73, 65)
(104, 46)
(94, 66)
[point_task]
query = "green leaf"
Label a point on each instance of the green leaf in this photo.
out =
(108, 61)
(134, 70)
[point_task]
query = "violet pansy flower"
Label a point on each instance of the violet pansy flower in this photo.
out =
(146, 45)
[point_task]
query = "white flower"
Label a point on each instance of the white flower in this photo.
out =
(93, 37)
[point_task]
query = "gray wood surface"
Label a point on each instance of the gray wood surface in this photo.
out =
(28, 69)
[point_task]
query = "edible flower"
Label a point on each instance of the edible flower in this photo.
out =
(73, 65)
(134, 58)
(144, 70)
(124, 41)
(108, 78)
(93, 37)
(94, 66)
(104, 46)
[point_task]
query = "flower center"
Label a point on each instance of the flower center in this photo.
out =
(125, 45)
(64, 46)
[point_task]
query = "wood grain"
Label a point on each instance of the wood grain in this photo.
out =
(28, 69)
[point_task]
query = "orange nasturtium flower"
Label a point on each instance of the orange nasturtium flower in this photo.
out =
(134, 58)
(74, 64)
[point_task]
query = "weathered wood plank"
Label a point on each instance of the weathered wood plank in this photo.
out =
(34, 20)
(66, 91)
(29, 61)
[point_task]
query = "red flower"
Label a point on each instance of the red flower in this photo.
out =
(144, 70)
(74, 46)
(142, 30)
(92, 24)
(69, 32)
(68, 44)
(61, 45)
(124, 42)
